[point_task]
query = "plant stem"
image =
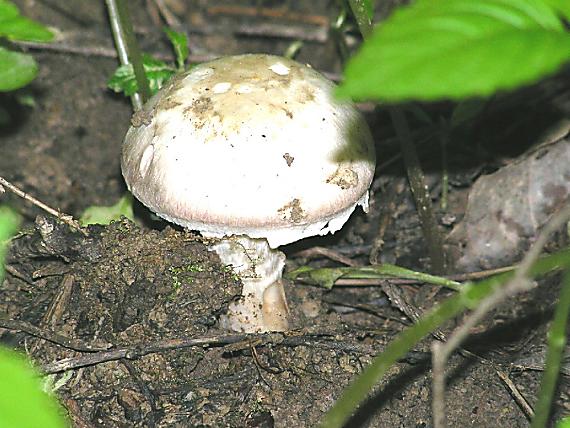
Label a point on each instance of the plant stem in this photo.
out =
(420, 191)
(127, 48)
(413, 168)
(362, 20)
(556, 342)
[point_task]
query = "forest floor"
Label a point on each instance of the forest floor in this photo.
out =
(129, 303)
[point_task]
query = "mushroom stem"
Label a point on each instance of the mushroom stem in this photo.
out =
(262, 306)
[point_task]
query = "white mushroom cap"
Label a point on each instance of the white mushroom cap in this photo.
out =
(250, 145)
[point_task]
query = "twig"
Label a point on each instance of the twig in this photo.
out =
(328, 253)
(58, 339)
(66, 218)
(515, 393)
(170, 19)
(269, 13)
(134, 352)
(518, 283)
(287, 32)
(234, 341)
(101, 51)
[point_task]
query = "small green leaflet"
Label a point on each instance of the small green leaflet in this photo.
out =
(180, 45)
(105, 215)
(9, 225)
(158, 72)
(16, 70)
(455, 49)
(13, 26)
(22, 402)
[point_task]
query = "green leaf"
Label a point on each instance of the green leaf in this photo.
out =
(326, 277)
(17, 27)
(9, 225)
(563, 7)
(25, 29)
(105, 215)
(180, 44)
(22, 402)
(563, 423)
(8, 10)
(16, 70)
(455, 49)
(158, 72)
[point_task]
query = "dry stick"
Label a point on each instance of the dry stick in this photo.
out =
(516, 394)
(519, 283)
(328, 253)
(269, 13)
(232, 342)
(167, 15)
(101, 51)
(58, 339)
(66, 218)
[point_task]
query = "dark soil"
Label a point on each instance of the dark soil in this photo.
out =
(151, 291)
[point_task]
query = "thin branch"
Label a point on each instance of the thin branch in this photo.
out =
(101, 51)
(58, 339)
(171, 20)
(518, 283)
(516, 394)
(232, 342)
(66, 218)
(316, 251)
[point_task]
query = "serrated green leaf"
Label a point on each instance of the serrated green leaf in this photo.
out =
(158, 72)
(9, 224)
(180, 45)
(105, 215)
(16, 70)
(16, 27)
(455, 49)
(22, 402)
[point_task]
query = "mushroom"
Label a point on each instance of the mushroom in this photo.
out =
(253, 150)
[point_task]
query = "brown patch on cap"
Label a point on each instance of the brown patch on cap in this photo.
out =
(292, 211)
(288, 158)
(344, 177)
